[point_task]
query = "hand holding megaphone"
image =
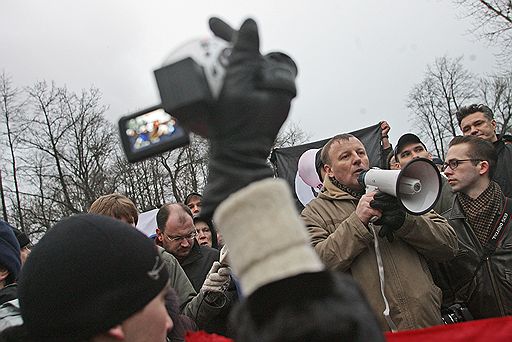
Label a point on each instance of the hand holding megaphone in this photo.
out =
(415, 190)
(416, 187)
(393, 216)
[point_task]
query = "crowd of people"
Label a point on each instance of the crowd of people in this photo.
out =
(353, 265)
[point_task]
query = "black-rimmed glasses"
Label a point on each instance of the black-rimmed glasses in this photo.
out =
(454, 163)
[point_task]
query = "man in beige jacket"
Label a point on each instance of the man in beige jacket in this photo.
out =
(338, 222)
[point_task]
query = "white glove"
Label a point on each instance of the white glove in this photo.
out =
(218, 278)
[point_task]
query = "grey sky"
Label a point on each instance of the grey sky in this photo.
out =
(357, 60)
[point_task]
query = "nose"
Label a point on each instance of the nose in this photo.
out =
(448, 171)
(474, 131)
(185, 243)
(169, 324)
(356, 159)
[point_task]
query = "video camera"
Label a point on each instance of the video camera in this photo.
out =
(189, 83)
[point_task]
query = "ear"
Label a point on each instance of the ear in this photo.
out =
(116, 332)
(484, 167)
(493, 123)
(430, 156)
(328, 171)
(159, 234)
(3, 274)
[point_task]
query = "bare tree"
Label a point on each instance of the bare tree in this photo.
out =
(10, 110)
(50, 125)
(496, 92)
(68, 153)
(90, 140)
(144, 182)
(187, 168)
(492, 20)
(291, 135)
(447, 86)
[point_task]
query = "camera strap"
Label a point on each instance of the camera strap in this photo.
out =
(501, 224)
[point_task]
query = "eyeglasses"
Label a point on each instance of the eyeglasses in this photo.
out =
(454, 163)
(179, 238)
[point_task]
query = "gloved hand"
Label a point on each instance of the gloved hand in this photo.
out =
(218, 279)
(252, 106)
(393, 216)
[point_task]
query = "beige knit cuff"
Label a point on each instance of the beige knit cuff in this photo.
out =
(267, 240)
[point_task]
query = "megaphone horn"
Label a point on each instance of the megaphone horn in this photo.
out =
(417, 186)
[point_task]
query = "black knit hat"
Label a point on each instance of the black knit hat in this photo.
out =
(406, 139)
(9, 251)
(86, 275)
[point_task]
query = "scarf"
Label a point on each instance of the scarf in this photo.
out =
(481, 211)
(343, 187)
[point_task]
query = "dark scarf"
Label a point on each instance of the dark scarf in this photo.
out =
(343, 187)
(481, 211)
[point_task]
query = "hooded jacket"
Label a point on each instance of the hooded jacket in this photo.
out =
(344, 243)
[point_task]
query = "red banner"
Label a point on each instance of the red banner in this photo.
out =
(483, 330)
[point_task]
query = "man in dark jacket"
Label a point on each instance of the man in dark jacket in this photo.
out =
(478, 120)
(177, 235)
(481, 272)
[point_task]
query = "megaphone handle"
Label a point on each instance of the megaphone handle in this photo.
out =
(371, 188)
(380, 266)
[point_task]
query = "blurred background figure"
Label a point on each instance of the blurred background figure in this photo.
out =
(206, 232)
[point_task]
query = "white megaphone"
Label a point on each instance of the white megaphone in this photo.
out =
(417, 186)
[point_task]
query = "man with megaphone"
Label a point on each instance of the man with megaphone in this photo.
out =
(343, 224)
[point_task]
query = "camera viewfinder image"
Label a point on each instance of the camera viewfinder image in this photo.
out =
(152, 128)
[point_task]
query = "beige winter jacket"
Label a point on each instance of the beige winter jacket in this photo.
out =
(344, 243)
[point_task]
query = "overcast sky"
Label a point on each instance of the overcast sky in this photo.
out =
(358, 59)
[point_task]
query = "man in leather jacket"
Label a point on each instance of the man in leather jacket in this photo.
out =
(481, 273)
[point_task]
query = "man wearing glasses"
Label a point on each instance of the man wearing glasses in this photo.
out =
(480, 276)
(478, 120)
(176, 233)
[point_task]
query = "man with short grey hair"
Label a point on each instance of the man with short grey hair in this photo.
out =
(339, 222)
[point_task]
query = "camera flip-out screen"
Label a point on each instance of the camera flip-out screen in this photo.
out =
(149, 132)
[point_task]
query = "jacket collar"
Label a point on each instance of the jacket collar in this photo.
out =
(331, 191)
(456, 211)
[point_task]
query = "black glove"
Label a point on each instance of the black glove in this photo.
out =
(393, 216)
(252, 106)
